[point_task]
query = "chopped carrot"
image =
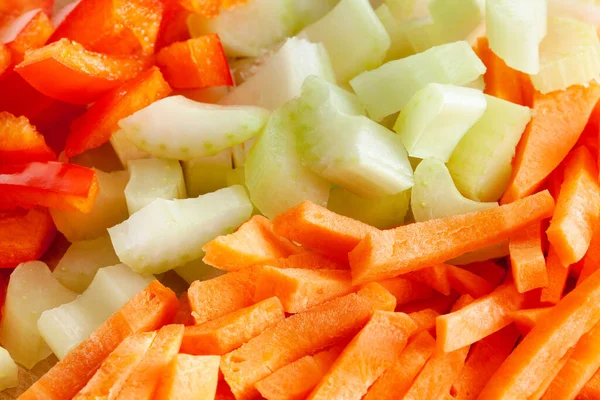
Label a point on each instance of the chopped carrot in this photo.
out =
(591, 390)
(406, 290)
(295, 381)
(591, 260)
(386, 254)
(525, 320)
(31, 34)
(184, 313)
(20, 141)
(301, 289)
(189, 377)
(484, 359)
(558, 120)
(146, 311)
(539, 393)
(319, 229)
(557, 279)
(527, 260)
(396, 380)
(374, 349)
(435, 277)
(488, 270)
(465, 282)
(227, 333)
(253, 243)
(438, 302)
(425, 319)
(577, 208)
(555, 180)
(310, 260)
(479, 319)
(301, 334)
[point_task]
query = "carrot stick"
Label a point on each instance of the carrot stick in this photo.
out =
(530, 363)
(479, 319)
(577, 208)
(435, 277)
(396, 380)
(411, 247)
(591, 390)
(295, 381)
(146, 311)
(465, 282)
(539, 393)
(488, 270)
(301, 334)
(591, 260)
(190, 377)
(319, 229)
(438, 302)
(558, 120)
(375, 348)
(557, 279)
(527, 260)
(310, 260)
(301, 289)
(253, 243)
(227, 333)
(484, 359)
(184, 313)
(425, 320)
(405, 290)
(525, 320)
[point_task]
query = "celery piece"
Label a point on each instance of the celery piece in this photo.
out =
(9, 372)
(169, 233)
(240, 152)
(344, 147)
(354, 37)
(481, 163)
(400, 46)
(404, 9)
(478, 84)
(424, 34)
(182, 129)
(388, 88)
(583, 10)
(381, 212)
(250, 28)
(125, 149)
(206, 174)
(569, 55)
(153, 179)
(67, 325)
(309, 11)
(280, 78)
(456, 18)
(198, 270)
(236, 176)
(103, 158)
(515, 29)
(437, 117)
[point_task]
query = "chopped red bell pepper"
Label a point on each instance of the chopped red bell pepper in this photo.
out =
(25, 235)
(50, 184)
(30, 31)
(20, 142)
(195, 64)
(173, 26)
(10, 9)
(5, 58)
(54, 122)
(209, 8)
(99, 122)
(66, 71)
(20, 98)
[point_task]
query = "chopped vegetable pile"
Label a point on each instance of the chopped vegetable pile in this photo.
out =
(300, 199)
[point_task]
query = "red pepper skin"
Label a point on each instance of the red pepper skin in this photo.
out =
(30, 31)
(10, 9)
(20, 142)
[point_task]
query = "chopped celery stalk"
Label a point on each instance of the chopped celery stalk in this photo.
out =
(250, 28)
(388, 88)
(79, 265)
(109, 209)
(280, 78)
(65, 326)
(437, 117)
(309, 11)
(381, 212)
(9, 372)
(478, 84)
(354, 37)
(456, 18)
(169, 233)
(515, 29)
(207, 174)
(569, 55)
(182, 129)
(345, 148)
(583, 10)
(404, 9)
(240, 152)
(197, 270)
(400, 46)
(125, 149)
(210, 95)
(481, 164)
(274, 174)
(424, 34)
(236, 176)
(32, 289)
(153, 179)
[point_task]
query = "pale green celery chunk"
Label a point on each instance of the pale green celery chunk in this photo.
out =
(153, 179)
(569, 55)
(400, 46)
(280, 78)
(403, 9)
(236, 176)
(456, 18)
(125, 149)
(515, 29)
(387, 89)
(478, 84)
(207, 174)
(169, 233)
(424, 34)
(9, 372)
(83, 259)
(197, 270)
(583, 10)
(309, 11)
(354, 37)
(481, 164)
(381, 212)
(437, 117)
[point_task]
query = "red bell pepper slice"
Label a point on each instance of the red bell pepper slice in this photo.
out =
(50, 184)
(20, 142)
(20, 98)
(173, 26)
(99, 122)
(209, 8)
(10, 9)
(5, 58)
(30, 31)
(25, 235)
(195, 64)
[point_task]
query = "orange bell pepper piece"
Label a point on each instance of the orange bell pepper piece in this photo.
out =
(30, 31)
(20, 142)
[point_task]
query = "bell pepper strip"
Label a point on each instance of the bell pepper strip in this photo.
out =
(5, 58)
(206, 8)
(30, 31)
(54, 122)
(99, 122)
(173, 26)
(195, 64)
(10, 9)
(20, 142)
(20, 98)
(25, 235)
(591, 390)
(50, 184)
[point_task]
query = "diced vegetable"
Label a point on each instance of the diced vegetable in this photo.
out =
(423, 34)
(456, 18)
(21, 142)
(400, 46)
(9, 372)
(125, 149)
(437, 117)
(153, 179)
(207, 174)
(197, 270)
(309, 11)
(29, 31)
(194, 377)
(527, 259)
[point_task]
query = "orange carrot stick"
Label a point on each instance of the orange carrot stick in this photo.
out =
(465, 282)
(527, 260)
(591, 390)
(488, 270)
(411, 247)
(558, 120)
(539, 393)
(438, 302)
(435, 277)
(227, 333)
(425, 320)
(525, 320)
(591, 260)
(375, 348)
(405, 290)
(184, 313)
(189, 377)
(557, 279)
(301, 289)
(310, 260)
